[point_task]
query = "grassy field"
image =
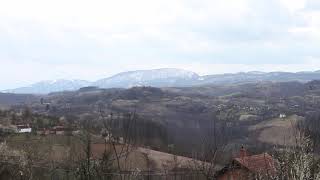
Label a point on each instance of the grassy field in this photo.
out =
(278, 131)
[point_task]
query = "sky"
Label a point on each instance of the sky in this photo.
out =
(93, 39)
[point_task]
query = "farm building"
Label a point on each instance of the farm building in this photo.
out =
(61, 130)
(247, 167)
(24, 128)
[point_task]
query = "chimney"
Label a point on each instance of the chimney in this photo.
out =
(243, 152)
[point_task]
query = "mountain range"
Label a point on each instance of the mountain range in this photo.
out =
(168, 77)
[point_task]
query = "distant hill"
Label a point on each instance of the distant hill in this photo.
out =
(156, 78)
(45, 87)
(8, 99)
(182, 115)
(258, 77)
(166, 78)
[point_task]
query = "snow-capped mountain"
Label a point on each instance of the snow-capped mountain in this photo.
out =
(255, 76)
(155, 77)
(165, 78)
(45, 87)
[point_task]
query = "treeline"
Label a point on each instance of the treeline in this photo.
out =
(312, 126)
(130, 126)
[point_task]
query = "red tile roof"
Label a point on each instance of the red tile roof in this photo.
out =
(260, 164)
(60, 128)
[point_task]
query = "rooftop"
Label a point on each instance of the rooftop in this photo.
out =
(261, 163)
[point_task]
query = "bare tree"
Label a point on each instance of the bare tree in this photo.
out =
(298, 162)
(85, 170)
(212, 142)
(124, 142)
(16, 164)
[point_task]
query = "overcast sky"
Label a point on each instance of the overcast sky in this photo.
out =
(92, 39)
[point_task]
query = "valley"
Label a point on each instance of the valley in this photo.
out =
(171, 122)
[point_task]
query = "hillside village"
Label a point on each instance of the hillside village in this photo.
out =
(160, 90)
(153, 131)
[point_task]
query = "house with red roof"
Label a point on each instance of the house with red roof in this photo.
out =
(246, 167)
(61, 130)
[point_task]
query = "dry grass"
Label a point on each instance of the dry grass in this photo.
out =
(166, 161)
(57, 149)
(277, 131)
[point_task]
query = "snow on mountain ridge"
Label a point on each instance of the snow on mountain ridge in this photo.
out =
(155, 74)
(44, 87)
(155, 77)
(167, 77)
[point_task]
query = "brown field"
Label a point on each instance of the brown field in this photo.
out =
(277, 131)
(64, 149)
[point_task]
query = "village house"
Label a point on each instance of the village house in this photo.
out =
(24, 128)
(43, 131)
(246, 167)
(282, 116)
(61, 130)
(57, 130)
